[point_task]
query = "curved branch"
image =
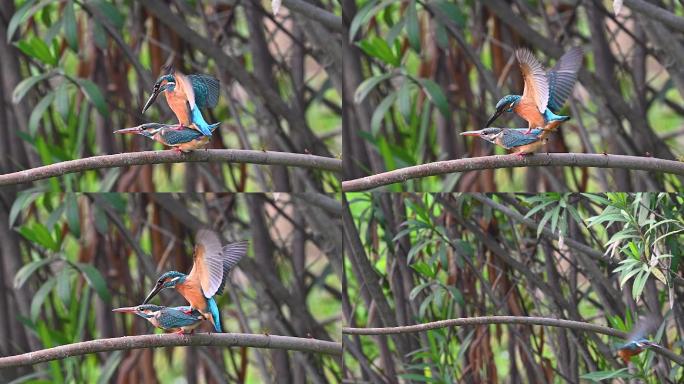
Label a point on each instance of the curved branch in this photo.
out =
(514, 161)
(169, 156)
(655, 12)
(486, 320)
(174, 340)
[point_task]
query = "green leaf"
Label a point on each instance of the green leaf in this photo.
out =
(111, 13)
(23, 200)
(39, 234)
(27, 270)
(95, 280)
(453, 12)
(36, 48)
(39, 111)
(39, 297)
(436, 96)
(368, 85)
(72, 215)
(92, 92)
(70, 25)
(404, 100)
(638, 285)
(62, 100)
(604, 375)
(380, 112)
(22, 14)
(412, 26)
(362, 17)
(25, 85)
(378, 48)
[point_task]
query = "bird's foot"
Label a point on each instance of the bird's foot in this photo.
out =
(523, 154)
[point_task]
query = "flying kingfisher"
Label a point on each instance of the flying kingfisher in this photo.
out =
(186, 95)
(544, 93)
(170, 319)
(181, 138)
(636, 342)
(210, 269)
(514, 139)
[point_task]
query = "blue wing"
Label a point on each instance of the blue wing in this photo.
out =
(179, 136)
(232, 253)
(515, 138)
(562, 78)
(213, 308)
(174, 318)
(206, 90)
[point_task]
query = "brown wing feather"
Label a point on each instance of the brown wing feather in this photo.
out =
(185, 85)
(208, 265)
(536, 80)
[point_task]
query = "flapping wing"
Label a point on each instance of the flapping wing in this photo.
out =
(642, 327)
(232, 253)
(513, 138)
(562, 78)
(536, 81)
(208, 265)
(185, 85)
(206, 89)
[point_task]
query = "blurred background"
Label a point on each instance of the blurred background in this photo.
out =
(74, 71)
(66, 260)
(603, 259)
(419, 73)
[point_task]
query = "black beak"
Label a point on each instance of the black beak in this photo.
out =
(496, 115)
(152, 98)
(153, 293)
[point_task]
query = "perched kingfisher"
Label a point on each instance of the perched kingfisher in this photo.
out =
(544, 93)
(636, 343)
(181, 138)
(210, 269)
(514, 139)
(186, 95)
(170, 319)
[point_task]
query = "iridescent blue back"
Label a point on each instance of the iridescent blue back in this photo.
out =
(206, 90)
(175, 318)
(516, 137)
(173, 136)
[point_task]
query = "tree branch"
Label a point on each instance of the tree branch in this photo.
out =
(174, 340)
(514, 161)
(486, 320)
(656, 13)
(168, 156)
(328, 19)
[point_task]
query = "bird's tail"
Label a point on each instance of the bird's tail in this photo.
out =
(216, 317)
(199, 121)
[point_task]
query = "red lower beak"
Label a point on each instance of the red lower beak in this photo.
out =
(133, 130)
(472, 133)
(124, 309)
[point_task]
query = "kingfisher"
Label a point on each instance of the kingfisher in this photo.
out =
(210, 269)
(171, 319)
(181, 138)
(186, 95)
(636, 342)
(544, 93)
(514, 139)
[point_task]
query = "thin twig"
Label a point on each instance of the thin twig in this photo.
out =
(169, 156)
(174, 340)
(486, 320)
(515, 161)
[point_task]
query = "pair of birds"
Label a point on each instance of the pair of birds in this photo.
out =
(211, 265)
(186, 96)
(543, 97)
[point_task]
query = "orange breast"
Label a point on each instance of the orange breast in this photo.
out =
(529, 112)
(192, 292)
(194, 144)
(529, 148)
(178, 104)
